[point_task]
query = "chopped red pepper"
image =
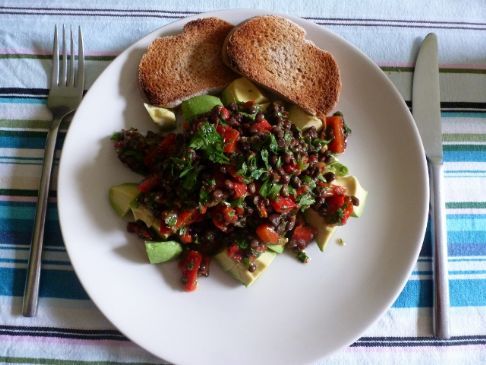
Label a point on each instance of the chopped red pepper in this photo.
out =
(303, 232)
(234, 252)
(164, 231)
(335, 124)
(189, 264)
(184, 218)
(186, 238)
(267, 234)
(166, 146)
(149, 183)
(262, 126)
(230, 136)
(283, 204)
(239, 189)
(290, 168)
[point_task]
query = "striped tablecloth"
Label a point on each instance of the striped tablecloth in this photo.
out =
(70, 330)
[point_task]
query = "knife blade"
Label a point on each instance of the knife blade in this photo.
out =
(426, 112)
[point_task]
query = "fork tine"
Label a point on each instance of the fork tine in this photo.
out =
(71, 62)
(80, 75)
(55, 60)
(62, 82)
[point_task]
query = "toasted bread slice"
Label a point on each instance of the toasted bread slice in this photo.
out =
(273, 52)
(176, 68)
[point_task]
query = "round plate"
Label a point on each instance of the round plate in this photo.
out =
(294, 313)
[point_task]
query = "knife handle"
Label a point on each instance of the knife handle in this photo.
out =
(439, 249)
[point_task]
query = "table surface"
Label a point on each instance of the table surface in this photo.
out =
(70, 330)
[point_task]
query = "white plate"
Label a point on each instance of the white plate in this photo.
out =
(294, 313)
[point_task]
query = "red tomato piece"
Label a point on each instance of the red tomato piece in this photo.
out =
(184, 218)
(336, 125)
(234, 173)
(239, 189)
(166, 146)
(283, 204)
(229, 214)
(303, 232)
(189, 264)
(224, 113)
(267, 234)
(149, 183)
(335, 202)
(230, 137)
(186, 238)
(290, 168)
(262, 126)
(165, 231)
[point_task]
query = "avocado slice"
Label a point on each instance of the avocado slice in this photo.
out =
(122, 197)
(142, 213)
(353, 187)
(159, 252)
(164, 118)
(241, 90)
(198, 105)
(302, 119)
(239, 271)
(279, 246)
(324, 230)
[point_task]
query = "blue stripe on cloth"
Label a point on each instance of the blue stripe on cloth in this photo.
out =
(54, 284)
(463, 293)
(34, 140)
(465, 156)
(16, 100)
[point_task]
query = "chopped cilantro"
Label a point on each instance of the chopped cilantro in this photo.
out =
(264, 155)
(337, 168)
(309, 182)
(203, 196)
(189, 180)
(305, 201)
(269, 189)
(292, 190)
(208, 140)
(238, 202)
(171, 219)
(273, 145)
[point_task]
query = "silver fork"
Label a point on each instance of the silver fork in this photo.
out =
(64, 97)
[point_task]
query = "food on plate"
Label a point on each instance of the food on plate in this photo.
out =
(177, 67)
(272, 51)
(238, 184)
(247, 176)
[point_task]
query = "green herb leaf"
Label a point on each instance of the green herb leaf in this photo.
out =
(337, 168)
(269, 189)
(203, 196)
(208, 140)
(309, 182)
(305, 201)
(171, 219)
(264, 155)
(273, 145)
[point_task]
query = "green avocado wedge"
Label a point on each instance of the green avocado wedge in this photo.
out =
(198, 105)
(122, 197)
(158, 252)
(240, 271)
(242, 90)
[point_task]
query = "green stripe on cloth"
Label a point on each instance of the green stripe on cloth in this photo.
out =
(29, 123)
(463, 147)
(465, 205)
(45, 361)
(464, 137)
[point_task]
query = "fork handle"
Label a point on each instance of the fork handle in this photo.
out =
(31, 292)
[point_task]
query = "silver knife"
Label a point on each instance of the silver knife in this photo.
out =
(426, 112)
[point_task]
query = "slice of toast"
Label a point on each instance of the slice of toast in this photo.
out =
(273, 52)
(176, 68)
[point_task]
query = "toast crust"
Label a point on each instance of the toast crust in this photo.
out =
(273, 52)
(176, 68)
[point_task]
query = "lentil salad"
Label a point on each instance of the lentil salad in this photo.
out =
(238, 179)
